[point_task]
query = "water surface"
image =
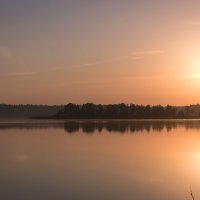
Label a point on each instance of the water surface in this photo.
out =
(99, 160)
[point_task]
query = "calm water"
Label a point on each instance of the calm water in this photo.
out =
(99, 160)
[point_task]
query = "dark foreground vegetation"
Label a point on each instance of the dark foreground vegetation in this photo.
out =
(99, 111)
(125, 111)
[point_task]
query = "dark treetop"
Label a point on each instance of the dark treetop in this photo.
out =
(125, 111)
(99, 111)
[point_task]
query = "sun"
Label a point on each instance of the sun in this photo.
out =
(195, 69)
(197, 75)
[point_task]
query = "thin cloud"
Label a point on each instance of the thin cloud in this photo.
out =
(56, 68)
(21, 157)
(75, 66)
(8, 55)
(192, 22)
(24, 73)
(4, 53)
(145, 53)
(132, 57)
(137, 55)
(91, 64)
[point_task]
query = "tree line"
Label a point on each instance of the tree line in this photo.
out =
(124, 111)
(99, 111)
(27, 111)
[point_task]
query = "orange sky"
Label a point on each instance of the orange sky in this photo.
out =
(145, 52)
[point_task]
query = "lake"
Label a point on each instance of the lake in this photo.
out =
(99, 160)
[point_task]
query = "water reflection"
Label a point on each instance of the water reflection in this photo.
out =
(128, 126)
(43, 159)
(92, 126)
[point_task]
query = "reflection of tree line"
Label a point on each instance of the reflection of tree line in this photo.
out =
(120, 126)
(30, 125)
(127, 126)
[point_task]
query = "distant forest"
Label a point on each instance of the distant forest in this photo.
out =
(99, 111)
(126, 111)
(27, 111)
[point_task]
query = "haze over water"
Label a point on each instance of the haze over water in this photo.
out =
(119, 160)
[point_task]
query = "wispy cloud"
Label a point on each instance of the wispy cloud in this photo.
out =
(136, 55)
(179, 76)
(4, 53)
(21, 157)
(91, 64)
(25, 73)
(192, 22)
(10, 56)
(145, 53)
(131, 57)
(56, 68)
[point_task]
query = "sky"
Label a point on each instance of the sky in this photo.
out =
(132, 51)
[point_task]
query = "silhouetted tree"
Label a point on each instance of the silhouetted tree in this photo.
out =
(180, 115)
(125, 111)
(170, 112)
(188, 111)
(99, 111)
(88, 111)
(72, 111)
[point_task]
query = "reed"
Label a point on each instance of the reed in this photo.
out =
(192, 194)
